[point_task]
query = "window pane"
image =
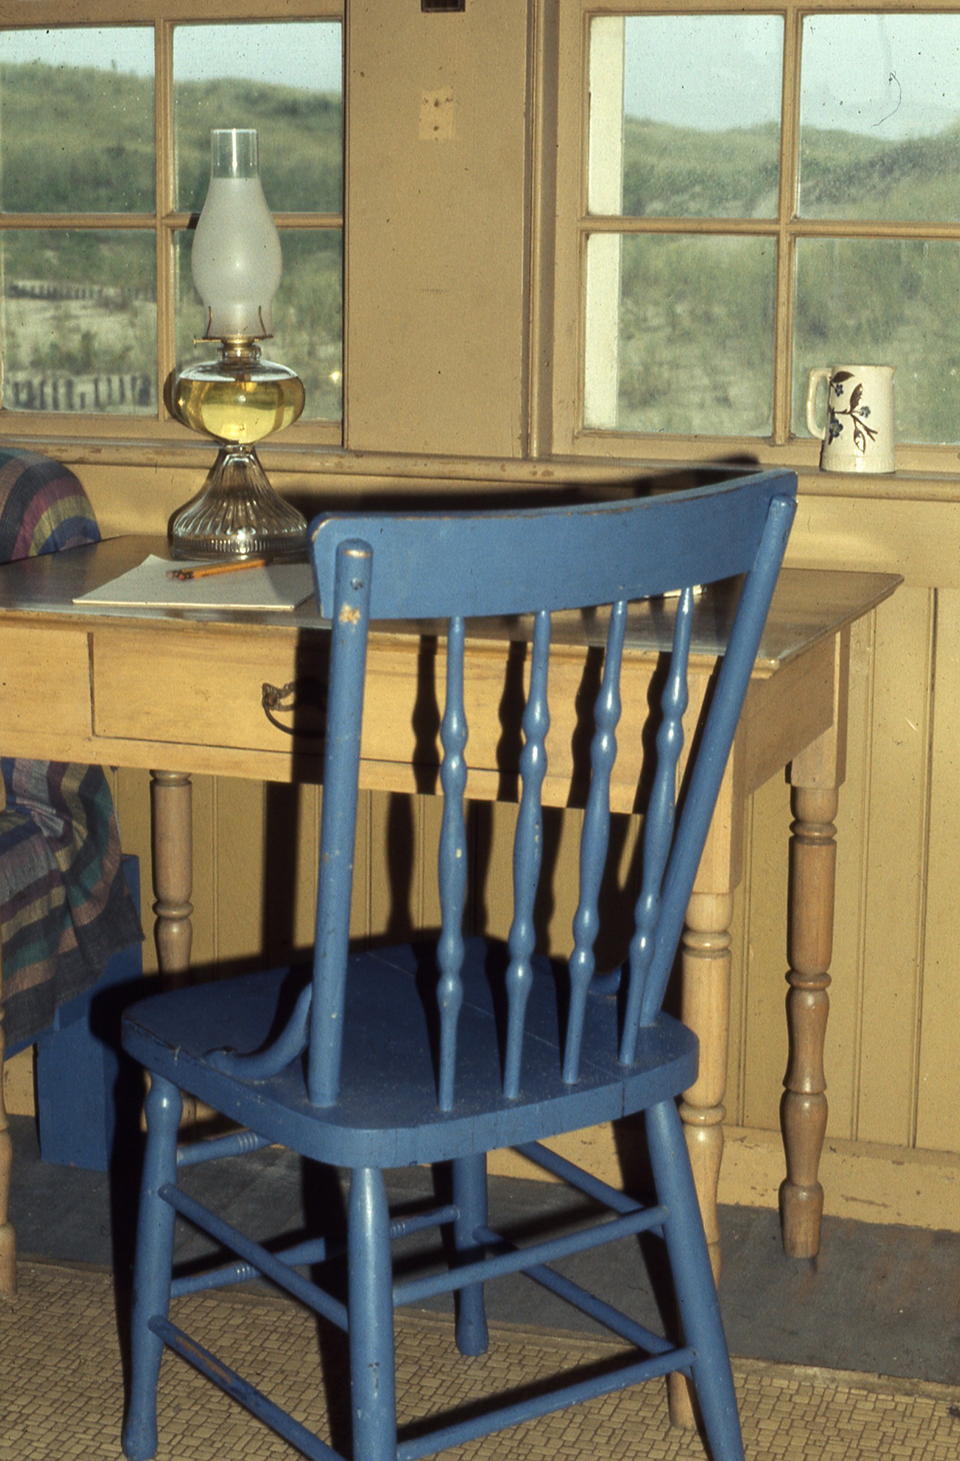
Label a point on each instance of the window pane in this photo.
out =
(691, 336)
(879, 114)
(307, 316)
(688, 116)
(884, 302)
(89, 94)
(285, 79)
(79, 321)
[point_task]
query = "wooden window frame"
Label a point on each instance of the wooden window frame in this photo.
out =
(143, 436)
(574, 224)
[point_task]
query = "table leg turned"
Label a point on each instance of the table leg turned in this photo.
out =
(813, 862)
(8, 1242)
(171, 806)
(171, 816)
(705, 953)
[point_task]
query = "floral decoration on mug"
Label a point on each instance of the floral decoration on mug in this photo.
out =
(857, 413)
(858, 433)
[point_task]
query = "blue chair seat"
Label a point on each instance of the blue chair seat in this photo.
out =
(389, 1028)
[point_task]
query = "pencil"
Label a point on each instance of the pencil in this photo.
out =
(209, 569)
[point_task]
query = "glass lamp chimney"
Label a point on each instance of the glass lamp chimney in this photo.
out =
(236, 255)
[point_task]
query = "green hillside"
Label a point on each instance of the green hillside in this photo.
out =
(697, 312)
(81, 140)
(682, 172)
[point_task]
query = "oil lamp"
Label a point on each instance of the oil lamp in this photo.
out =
(239, 398)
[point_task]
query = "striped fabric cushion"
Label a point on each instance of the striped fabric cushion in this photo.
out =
(64, 905)
(42, 507)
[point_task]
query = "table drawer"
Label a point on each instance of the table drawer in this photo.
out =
(44, 679)
(207, 691)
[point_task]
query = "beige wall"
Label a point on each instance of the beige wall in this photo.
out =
(449, 364)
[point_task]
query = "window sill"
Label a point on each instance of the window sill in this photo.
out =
(316, 460)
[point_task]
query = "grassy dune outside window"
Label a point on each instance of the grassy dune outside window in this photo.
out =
(767, 191)
(79, 312)
(104, 166)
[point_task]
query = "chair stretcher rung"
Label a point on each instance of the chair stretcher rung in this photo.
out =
(537, 1405)
(247, 1395)
(317, 1250)
(417, 1222)
(255, 1254)
(210, 1149)
(521, 1258)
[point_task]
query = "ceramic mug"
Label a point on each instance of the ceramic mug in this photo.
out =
(858, 435)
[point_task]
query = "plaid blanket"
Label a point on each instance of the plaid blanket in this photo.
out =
(64, 904)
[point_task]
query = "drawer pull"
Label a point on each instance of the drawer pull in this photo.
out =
(304, 694)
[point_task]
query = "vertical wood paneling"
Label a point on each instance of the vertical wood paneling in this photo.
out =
(360, 903)
(206, 870)
(759, 957)
(559, 882)
(739, 933)
(429, 817)
(938, 1076)
(267, 839)
(896, 857)
(391, 902)
(491, 841)
(291, 831)
(240, 830)
(396, 864)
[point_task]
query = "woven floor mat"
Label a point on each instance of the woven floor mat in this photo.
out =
(61, 1393)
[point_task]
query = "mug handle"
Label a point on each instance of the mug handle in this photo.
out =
(816, 376)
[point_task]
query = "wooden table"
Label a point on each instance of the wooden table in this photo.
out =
(183, 692)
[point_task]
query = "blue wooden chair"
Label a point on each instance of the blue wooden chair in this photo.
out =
(441, 1051)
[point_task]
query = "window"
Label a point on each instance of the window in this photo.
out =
(98, 305)
(762, 191)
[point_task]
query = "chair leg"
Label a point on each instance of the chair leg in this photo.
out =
(470, 1197)
(152, 1270)
(370, 1279)
(693, 1279)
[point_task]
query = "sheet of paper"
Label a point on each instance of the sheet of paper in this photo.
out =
(280, 586)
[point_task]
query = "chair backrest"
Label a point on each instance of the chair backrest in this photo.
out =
(452, 566)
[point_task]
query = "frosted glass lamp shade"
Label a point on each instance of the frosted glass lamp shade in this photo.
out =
(236, 254)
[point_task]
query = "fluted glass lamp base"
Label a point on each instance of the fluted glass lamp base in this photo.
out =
(237, 514)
